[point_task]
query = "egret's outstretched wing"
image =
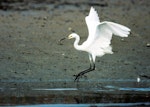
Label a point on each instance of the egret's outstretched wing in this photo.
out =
(118, 29)
(92, 20)
(104, 32)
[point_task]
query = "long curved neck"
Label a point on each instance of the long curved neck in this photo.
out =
(76, 43)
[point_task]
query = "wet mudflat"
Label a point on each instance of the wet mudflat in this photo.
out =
(100, 93)
(36, 69)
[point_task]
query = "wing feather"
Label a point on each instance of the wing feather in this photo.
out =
(92, 20)
(103, 35)
(105, 30)
(100, 34)
(118, 29)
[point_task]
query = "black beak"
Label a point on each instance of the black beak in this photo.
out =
(60, 41)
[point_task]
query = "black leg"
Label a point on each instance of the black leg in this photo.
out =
(78, 76)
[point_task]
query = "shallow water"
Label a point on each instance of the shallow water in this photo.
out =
(64, 92)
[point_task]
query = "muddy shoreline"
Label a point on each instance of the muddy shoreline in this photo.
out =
(30, 31)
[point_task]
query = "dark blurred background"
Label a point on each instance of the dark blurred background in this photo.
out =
(41, 4)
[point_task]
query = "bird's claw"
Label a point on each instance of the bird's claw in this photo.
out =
(77, 77)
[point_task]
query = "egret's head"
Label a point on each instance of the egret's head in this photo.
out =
(73, 35)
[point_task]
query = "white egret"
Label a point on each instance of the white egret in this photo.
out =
(99, 39)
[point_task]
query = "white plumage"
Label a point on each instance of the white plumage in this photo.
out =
(99, 39)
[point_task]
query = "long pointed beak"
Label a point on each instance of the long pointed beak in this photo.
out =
(60, 41)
